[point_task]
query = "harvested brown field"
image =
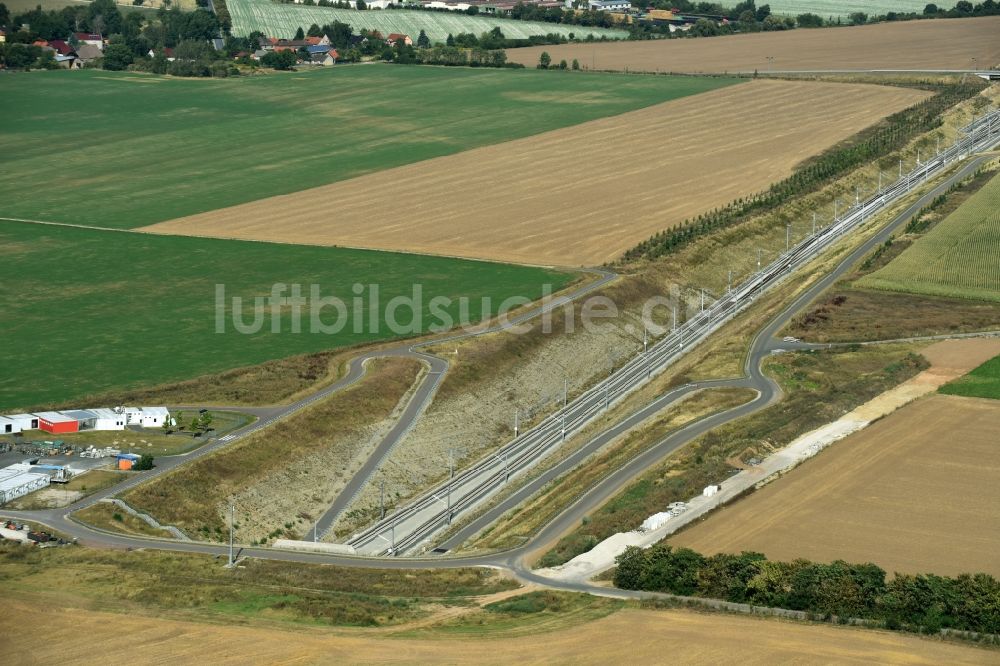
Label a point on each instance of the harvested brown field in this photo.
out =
(84, 636)
(915, 493)
(576, 196)
(914, 45)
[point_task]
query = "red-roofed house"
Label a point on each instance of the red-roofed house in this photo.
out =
(61, 47)
(90, 39)
(3, 35)
(396, 37)
(39, 42)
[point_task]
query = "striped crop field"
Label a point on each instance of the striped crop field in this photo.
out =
(844, 8)
(282, 20)
(960, 257)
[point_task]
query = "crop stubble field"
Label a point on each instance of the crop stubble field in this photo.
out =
(957, 258)
(913, 492)
(576, 196)
(933, 44)
(688, 637)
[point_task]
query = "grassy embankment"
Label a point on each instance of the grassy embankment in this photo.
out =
(108, 517)
(819, 387)
(914, 285)
(190, 498)
(199, 587)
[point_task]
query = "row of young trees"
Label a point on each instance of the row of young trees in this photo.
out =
(891, 135)
(922, 603)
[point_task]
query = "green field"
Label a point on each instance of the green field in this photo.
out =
(282, 20)
(126, 150)
(959, 257)
(86, 311)
(843, 8)
(983, 382)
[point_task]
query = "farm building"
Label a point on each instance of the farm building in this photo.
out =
(610, 5)
(8, 426)
(17, 481)
(23, 421)
(147, 417)
(57, 423)
(75, 420)
(98, 419)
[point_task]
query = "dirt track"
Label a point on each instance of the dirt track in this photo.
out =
(934, 44)
(576, 196)
(87, 637)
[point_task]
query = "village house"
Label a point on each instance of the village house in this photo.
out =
(395, 37)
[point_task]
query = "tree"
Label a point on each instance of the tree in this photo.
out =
(4, 15)
(859, 18)
(423, 41)
(145, 462)
(166, 425)
(563, 65)
(314, 31)
(544, 60)
(206, 420)
(631, 569)
(283, 60)
(300, 34)
(362, 5)
(931, 9)
(576, 65)
(763, 12)
(809, 20)
(117, 57)
(450, 41)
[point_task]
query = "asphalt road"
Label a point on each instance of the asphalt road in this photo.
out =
(763, 345)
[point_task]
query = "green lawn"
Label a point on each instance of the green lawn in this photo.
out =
(125, 150)
(983, 382)
(87, 311)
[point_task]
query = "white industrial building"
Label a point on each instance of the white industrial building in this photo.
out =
(23, 422)
(100, 418)
(147, 417)
(17, 481)
(8, 425)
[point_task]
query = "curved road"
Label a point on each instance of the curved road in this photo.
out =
(764, 343)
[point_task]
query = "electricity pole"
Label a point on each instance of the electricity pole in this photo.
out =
(381, 499)
(516, 429)
(788, 236)
(814, 223)
(232, 530)
(451, 475)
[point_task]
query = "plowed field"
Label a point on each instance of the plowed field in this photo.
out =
(922, 45)
(576, 196)
(915, 492)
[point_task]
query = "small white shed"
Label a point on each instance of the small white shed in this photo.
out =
(24, 421)
(8, 426)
